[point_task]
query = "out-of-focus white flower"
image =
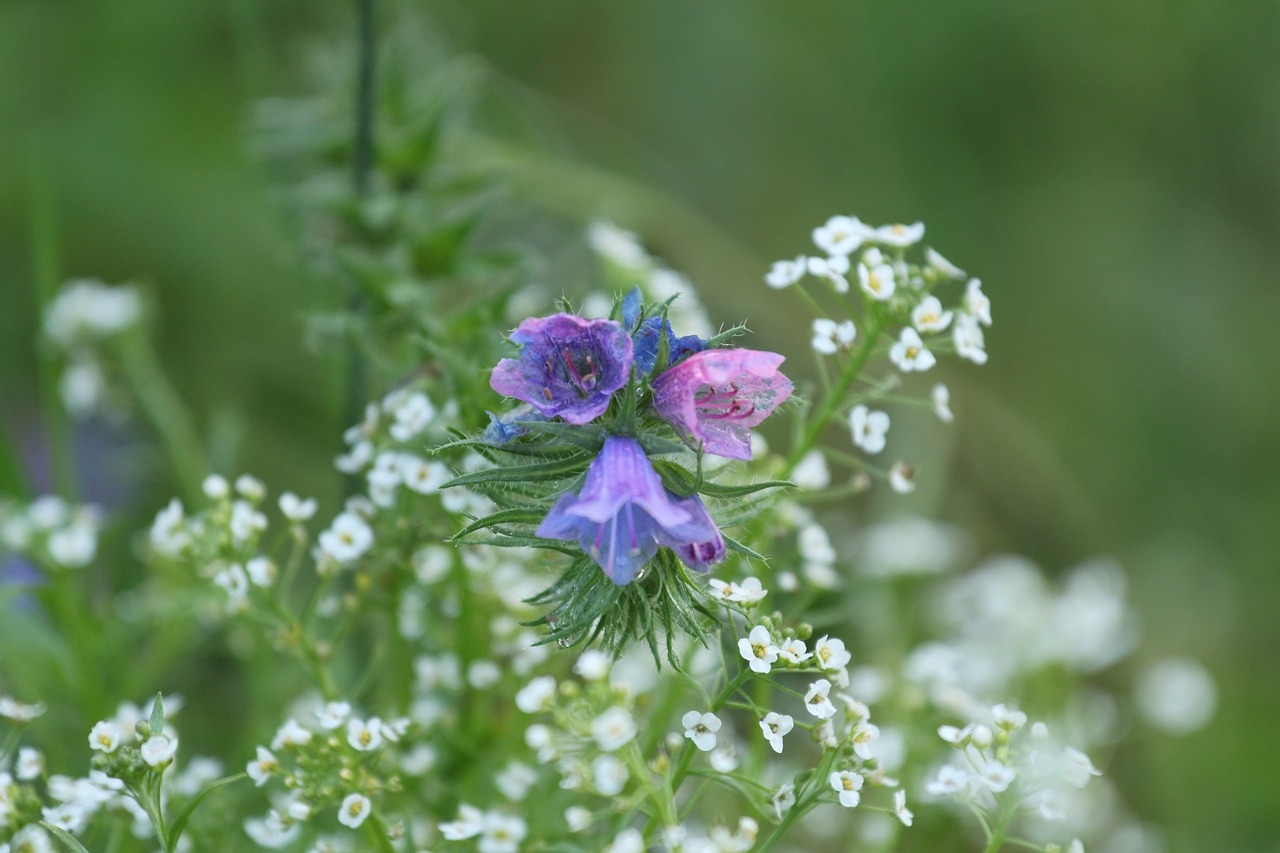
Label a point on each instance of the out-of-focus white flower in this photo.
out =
(902, 478)
(355, 809)
(847, 784)
(263, 766)
(333, 714)
(628, 840)
(295, 508)
(159, 750)
(976, 303)
(786, 273)
(701, 728)
(537, 695)
(898, 234)
(74, 546)
(609, 775)
(613, 729)
(941, 396)
(969, 340)
(865, 736)
(783, 798)
(723, 759)
(909, 352)
(422, 476)
(515, 780)
(502, 833)
(412, 414)
(900, 809)
(829, 337)
(364, 735)
(950, 781)
(941, 264)
(593, 665)
(775, 727)
(877, 281)
(840, 235)
(613, 244)
(89, 309)
(577, 818)
(469, 824)
(996, 776)
(833, 269)
(1177, 695)
(928, 316)
(82, 387)
(347, 538)
(869, 428)
(811, 472)
(30, 764)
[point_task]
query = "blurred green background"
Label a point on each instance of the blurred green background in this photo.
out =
(1111, 172)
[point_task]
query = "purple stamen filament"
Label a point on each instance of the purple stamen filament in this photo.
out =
(722, 404)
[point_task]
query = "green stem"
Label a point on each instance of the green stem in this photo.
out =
(836, 398)
(686, 756)
(996, 841)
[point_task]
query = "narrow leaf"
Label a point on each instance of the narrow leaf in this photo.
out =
(68, 840)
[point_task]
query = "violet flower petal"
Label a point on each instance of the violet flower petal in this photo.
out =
(568, 367)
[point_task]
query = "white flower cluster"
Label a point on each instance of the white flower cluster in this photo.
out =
(1005, 757)
(50, 531)
(83, 315)
(331, 763)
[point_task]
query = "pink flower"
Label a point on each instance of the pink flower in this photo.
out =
(716, 396)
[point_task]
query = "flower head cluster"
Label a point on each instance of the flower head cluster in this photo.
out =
(51, 532)
(84, 316)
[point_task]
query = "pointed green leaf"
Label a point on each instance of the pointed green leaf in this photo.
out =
(157, 716)
(68, 840)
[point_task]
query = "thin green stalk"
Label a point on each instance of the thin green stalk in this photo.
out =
(833, 400)
(996, 841)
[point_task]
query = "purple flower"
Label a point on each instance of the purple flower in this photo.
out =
(716, 396)
(568, 366)
(623, 515)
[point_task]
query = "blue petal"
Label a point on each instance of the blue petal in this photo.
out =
(631, 304)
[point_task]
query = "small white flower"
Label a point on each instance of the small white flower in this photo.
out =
(840, 235)
(262, 767)
(577, 818)
(831, 654)
(75, 545)
(817, 700)
(969, 340)
(900, 809)
(811, 472)
(250, 487)
(902, 478)
(246, 522)
(354, 810)
(976, 303)
(365, 736)
(613, 729)
(613, 244)
(629, 840)
(1076, 768)
(950, 781)
(869, 428)
(412, 416)
(701, 729)
(261, 571)
(347, 538)
(483, 674)
(1177, 695)
(775, 727)
(502, 833)
(515, 780)
(30, 765)
(30, 839)
(996, 776)
(928, 316)
(537, 695)
(235, 583)
(333, 714)
(1008, 717)
(833, 269)
(291, 734)
(215, 487)
(168, 532)
(847, 784)
(104, 737)
(898, 234)
(877, 281)
(864, 737)
(159, 750)
(955, 736)
(792, 651)
(422, 476)
(609, 775)
(783, 798)
(758, 650)
(724, 758)
(469, 824)
(786, 273)
(814, 544)
(942, 265)
(909, 352)
(593, 665)
(942, 403)
(295, 508)
(829, 337)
